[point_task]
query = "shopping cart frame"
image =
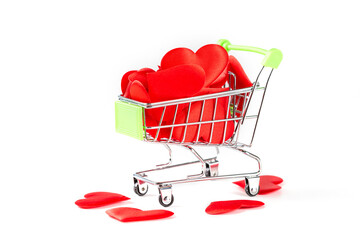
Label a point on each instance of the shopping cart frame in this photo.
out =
(131, 120)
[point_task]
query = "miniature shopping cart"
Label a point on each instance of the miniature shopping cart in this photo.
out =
(131, 121)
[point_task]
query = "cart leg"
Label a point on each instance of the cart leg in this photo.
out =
(170, 161)
(212, 168)
(252, 180)
(166, 198)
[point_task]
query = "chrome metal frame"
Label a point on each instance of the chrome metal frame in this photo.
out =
(209, 167)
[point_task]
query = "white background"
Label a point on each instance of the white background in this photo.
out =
(60, 68)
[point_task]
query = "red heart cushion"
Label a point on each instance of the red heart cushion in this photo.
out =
(127, 214)
(100, 199)
(130, 76)
(268, 184)
(127, 91)
(125, 81)
(251, 204)
(163, 132)
(212, 58)
(141, 76)
(205, 91)
(205, 129)
(176, 82)
(173, 83)
(221, 207)
(138, 92)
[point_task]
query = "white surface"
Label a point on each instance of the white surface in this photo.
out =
(60, 69)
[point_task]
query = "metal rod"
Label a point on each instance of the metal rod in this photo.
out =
(187, 119)
(200, 120)
(203, 122)
(212, 124)
(161, 119)
(262, 100)
(172, 128)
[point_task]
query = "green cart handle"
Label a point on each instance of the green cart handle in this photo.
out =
(272, 58)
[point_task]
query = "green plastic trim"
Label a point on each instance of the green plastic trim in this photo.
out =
(129, 120)
(272, 57)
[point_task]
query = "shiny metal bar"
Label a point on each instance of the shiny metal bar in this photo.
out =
(185, 100)
(170, 160)
(172, 128)
(161, 119)
(212, 124)
(200, 120)
(252, 91)
(262, 100)
(187, 119)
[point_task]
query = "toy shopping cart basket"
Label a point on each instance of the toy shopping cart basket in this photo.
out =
(131, 120)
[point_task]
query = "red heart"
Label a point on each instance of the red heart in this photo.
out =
(125, 80)
(173, 83)
(212, 58)
(211, 90)
(130, 76)
(163, 132)
(138, 92)
(205, 129)
(127, 214)
(176, 82)
(268, 184)
(221, 207)
(141, 76)
(100, 199)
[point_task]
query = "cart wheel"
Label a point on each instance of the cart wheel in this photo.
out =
(140, 189)
(252, 186)
(166, 204)
(248, 192)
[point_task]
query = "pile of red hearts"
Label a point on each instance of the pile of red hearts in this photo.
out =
(181, 74)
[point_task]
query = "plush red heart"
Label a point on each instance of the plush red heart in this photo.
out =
(213, 58)
(138, 92)
(130, 76)
(173, 83)
(127, 214)
(141, 76)
(210, 90)
(221, 207)
(268, 184)
(163, 132)
(125, 80)
(205, 129)
(176, 82)
(100, 199)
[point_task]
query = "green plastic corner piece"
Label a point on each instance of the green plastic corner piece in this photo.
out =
(273, 57)
(129, 120)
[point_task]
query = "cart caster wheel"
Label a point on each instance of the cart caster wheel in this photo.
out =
(166, 202)
(252, 186)
(140, 188)
(166, 198)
